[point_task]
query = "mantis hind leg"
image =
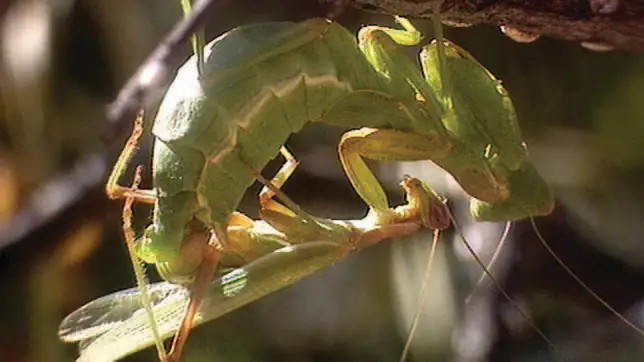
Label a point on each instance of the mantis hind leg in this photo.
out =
(285, 215)
(225, 237)
(272, 190)
(204, 276)
(112, 188)
(267, 194)
(139, 272)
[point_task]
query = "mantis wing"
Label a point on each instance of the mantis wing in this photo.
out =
(99, 316)
(116, 325)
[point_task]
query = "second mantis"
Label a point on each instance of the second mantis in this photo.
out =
(217, 129)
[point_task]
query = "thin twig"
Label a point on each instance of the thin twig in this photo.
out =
(64, 190)
(55, 196)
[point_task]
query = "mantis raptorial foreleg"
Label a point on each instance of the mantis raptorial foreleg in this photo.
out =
(205, 274)
(382, 145)
(409, 35)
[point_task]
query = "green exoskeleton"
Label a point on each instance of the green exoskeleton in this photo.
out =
(217, 128)
(279, 250)
(263, 82)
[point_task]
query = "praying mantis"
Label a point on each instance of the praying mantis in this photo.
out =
(285, 250)
(217, 128)
(211, 143)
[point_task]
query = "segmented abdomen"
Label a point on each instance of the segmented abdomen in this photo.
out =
(215, 133)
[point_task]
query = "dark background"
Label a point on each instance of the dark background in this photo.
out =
(61, 245)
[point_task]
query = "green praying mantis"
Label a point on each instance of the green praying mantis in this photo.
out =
(284, 250)
(261, 83)
(218, 127)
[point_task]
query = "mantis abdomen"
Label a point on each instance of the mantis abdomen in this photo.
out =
(260, 83)
(216, 131)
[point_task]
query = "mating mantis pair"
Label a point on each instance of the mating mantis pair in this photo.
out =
(220, 123)
(285, 250)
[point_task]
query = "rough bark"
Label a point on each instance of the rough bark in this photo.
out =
(605, 24)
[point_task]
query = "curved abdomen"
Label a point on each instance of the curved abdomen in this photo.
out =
(215, 134)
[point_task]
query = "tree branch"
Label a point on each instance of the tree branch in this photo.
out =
(601, 23)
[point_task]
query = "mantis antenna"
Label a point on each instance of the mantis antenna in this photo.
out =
(580, 282)
(421, 297)
(495, 256)
(498, 286)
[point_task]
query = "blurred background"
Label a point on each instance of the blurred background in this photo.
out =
(581, 113)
